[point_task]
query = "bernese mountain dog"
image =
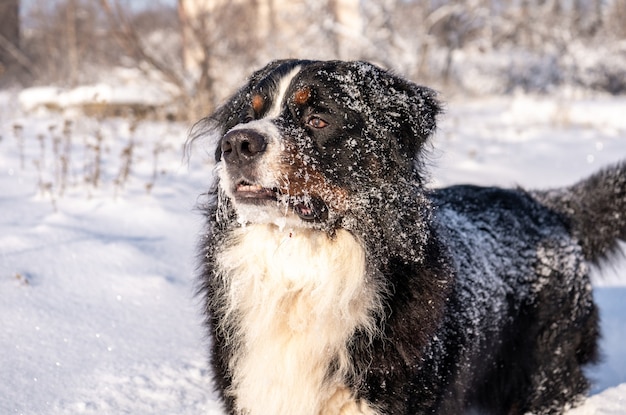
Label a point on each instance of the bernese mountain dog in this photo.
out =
(335, 281)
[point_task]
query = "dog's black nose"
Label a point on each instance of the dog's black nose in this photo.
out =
(242, 146)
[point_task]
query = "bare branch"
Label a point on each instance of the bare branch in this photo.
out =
(129, 39)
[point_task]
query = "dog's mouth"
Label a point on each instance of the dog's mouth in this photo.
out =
(249, 191)
(309, 209)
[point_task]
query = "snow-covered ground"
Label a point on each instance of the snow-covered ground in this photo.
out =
(97, 311)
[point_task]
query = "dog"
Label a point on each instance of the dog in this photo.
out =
(334, 281)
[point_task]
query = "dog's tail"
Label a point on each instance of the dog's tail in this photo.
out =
(595, 208)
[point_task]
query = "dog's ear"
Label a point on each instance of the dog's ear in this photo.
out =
(212, 128)
(418, 117)
(400, 108)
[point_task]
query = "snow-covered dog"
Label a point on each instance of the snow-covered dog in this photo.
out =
(336, 283)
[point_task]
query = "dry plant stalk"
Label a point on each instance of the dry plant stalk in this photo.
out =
(158, 149)
(66, 155)
(18, 131)
(126, 157)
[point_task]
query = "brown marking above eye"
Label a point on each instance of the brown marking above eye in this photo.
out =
(302, 96)
(257, 103)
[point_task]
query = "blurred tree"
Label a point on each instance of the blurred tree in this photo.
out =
(203, 49)
(9, 30)
(11, 56)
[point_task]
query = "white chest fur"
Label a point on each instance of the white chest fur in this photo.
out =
(293, 299)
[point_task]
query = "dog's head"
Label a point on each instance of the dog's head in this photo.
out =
(306, 141)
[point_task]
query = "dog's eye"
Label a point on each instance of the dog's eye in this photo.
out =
(316, 122)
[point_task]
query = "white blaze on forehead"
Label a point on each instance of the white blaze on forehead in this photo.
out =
(283, 85)
(268, 171)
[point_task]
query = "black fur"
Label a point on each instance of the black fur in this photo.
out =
(487, 299)
(595, 209)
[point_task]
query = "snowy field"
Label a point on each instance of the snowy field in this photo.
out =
(98, 227)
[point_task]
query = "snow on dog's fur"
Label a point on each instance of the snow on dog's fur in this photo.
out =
(335, 282)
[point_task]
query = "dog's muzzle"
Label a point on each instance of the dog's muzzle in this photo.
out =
(242, 151)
